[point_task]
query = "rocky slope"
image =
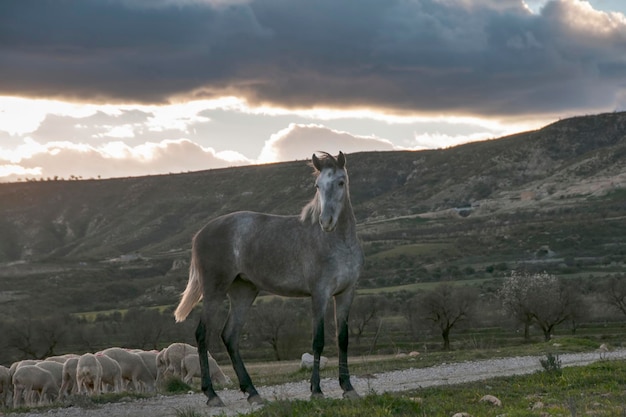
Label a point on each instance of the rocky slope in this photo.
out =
(560, 164)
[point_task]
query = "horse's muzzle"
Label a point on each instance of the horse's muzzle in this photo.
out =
(328, 224)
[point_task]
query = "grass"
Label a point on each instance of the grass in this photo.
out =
(188, 412)
(414, 249)
(423, 286)
(597, 389)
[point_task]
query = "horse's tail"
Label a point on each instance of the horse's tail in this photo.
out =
(193, 291)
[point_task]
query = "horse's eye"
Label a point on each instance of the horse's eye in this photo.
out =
(341, 183)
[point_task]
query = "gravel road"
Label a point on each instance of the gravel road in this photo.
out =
(454, 373)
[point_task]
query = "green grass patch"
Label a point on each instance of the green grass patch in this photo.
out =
(415, 249)
(420, 286)
(596, 389)
(176, 386)
(188, 412)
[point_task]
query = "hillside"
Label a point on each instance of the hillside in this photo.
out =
(559, 191)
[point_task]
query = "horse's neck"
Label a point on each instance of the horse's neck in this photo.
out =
(346, 225)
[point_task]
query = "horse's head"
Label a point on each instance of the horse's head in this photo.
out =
(332, 188)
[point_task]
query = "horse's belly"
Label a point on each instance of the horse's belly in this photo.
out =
(285, 287)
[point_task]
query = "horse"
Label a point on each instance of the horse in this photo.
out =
(315, 254)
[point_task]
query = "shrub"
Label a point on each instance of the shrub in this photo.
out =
(176, 385)
(551, 364)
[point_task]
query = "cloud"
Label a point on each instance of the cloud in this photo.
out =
(470, 56)
(441, 140)
(111, 159)
(300, 141)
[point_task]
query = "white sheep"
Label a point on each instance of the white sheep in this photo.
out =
(29, 380)
(62, 358)
(168, 363)
(88, 374)
(161, 365)
(24, 362)
(16, 365)
(149, 358)
(68, 380)
(55, 368)
(5, 386)
(190, 367)
(133, 368)
(111, 373)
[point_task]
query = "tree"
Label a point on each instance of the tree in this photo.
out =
(515, 295)
(552, 304)
(615, 293)
(541, 299)
(37, 339)
(365, 311)
(278, 323)
(446, 307)
(145, 327)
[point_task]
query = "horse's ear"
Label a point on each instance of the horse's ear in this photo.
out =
(316, 162)
(341, 160)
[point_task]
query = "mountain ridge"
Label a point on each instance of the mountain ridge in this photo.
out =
(563, 163)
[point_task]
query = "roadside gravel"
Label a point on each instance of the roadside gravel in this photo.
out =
(236, 404)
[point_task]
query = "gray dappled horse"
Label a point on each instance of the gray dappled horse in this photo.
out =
(316, 254)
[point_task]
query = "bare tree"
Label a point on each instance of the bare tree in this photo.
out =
(145, 327)
(37, 339)
(552, 305)
(615, 293)
(278, 323)
(447, 306)
(365, 311)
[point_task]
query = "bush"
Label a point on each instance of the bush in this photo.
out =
(176, 385)
(551, 364)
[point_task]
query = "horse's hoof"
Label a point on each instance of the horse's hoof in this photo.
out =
(215, 402)
(256, 400)
(317, 395)
(351, 395)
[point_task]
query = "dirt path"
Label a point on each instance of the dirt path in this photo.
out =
(167, 406)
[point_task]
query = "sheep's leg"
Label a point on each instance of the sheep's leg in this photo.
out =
(241, 295)
(64, 388)
(18, 390)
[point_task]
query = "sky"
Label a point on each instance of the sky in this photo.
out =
(116, 88)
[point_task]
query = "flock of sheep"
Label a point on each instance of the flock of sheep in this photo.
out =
(32, 382)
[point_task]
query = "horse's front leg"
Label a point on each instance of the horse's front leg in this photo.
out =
(342, 310)
(319, 308)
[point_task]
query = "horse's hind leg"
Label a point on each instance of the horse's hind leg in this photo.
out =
(203, 331)
(241, 295)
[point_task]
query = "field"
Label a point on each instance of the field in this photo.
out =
(595, 389)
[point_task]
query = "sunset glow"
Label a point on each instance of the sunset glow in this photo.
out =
(409, 76)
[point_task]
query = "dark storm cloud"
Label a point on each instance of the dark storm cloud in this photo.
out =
(472, 56)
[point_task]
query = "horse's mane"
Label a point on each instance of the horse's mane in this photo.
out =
(313, 210)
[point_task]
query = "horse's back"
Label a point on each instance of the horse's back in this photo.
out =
(279, 254)
(243, 237)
